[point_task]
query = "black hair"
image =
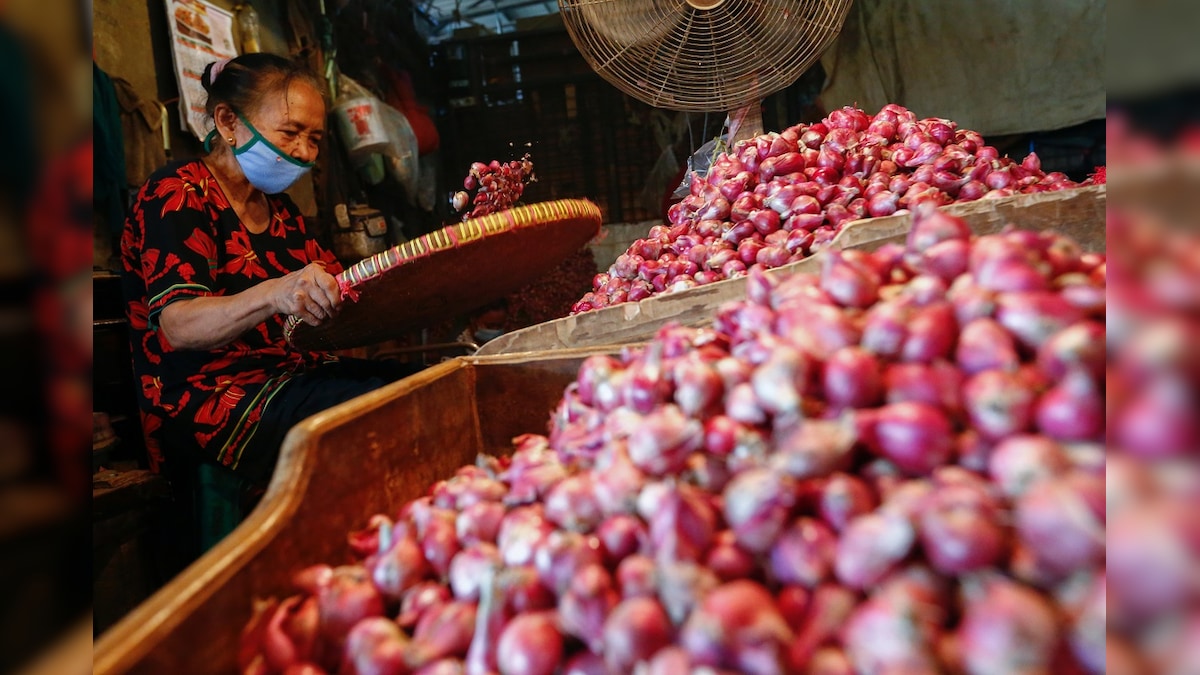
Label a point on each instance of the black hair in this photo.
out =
(245, 80)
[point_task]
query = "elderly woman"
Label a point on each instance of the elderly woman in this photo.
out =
(216, 257)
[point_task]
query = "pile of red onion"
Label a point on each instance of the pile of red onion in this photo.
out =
(777, 198)
(896, 465)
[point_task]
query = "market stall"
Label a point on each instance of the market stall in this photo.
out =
(842, 407)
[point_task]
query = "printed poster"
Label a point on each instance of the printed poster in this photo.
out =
(200, 34)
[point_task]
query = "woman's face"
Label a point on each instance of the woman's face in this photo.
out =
(294, 123)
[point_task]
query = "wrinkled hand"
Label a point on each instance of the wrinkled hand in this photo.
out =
(311, 294)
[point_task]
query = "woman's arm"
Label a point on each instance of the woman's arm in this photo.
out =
(215, 321)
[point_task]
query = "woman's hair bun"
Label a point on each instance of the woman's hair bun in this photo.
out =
(211, 72)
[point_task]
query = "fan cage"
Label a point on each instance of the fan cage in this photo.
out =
(670, 54)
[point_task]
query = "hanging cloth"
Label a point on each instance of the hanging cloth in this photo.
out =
(109, 159)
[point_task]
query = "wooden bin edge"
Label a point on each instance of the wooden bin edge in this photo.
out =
(125, 644)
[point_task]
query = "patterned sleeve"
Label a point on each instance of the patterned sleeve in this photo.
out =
(179, 254)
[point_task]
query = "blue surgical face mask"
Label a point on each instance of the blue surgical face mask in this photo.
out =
(483, 335)
(266, 167)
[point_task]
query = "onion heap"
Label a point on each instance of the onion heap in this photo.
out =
(1153, 483)
(777, 198)
(895, 465)
(496, 185)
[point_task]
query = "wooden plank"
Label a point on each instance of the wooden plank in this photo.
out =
(1078, 213)
(336, 469)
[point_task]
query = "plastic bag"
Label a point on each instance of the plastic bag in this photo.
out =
(386, 133)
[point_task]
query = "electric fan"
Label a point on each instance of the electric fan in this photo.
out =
(704, 55)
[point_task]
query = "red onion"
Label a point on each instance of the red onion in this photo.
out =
(1072, 410)
(1007, 627)
(959, 531)
(757, 503)
(698, 386)
(851, 378)
(870, 547)
(586, 605)
(530, 645)
(828, 610)
(440, 541)
(519, 589)
(636, 629)
(479, 523)
(375, 645)
(1159, 421)
(917, 437)
(618, 483)
(374, 538)
(443, 631)
(399, 568)
(931, 226)
(561, 554)
(778, 383)
(345, 597)
(1080, 345)
(886, 327)
(1035, 316)
(420, 598)
(849, 284)
(880, 637)
(1151, 562)
(815, 448)
(737, 626)
(572, 504)
(1019, 462)
(466, 569)
(936, 384)
(728, 560)
(683, 525)
(1054, 519)
(983, 345)
(998, 403)
(844, 497)
(621, 536)
(636, 576)
(662, 443)
(521, 532)
(804, 553)
(931, 333)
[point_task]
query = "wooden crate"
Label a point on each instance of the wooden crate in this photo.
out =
(369, 455)
(1078, 213)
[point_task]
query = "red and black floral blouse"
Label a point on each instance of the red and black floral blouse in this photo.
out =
(184, 240)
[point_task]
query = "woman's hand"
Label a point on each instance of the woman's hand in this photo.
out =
(214, 321)
(311, 294)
